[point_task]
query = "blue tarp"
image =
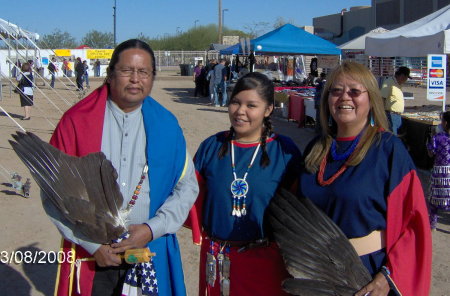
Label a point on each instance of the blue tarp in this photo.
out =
(287, 39)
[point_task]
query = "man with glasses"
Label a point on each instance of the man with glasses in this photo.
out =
(146, 146)
(392, 94)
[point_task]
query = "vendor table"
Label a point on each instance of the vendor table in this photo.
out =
(310, 110)
(297, 109)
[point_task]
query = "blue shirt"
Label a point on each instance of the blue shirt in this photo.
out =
(263, 182)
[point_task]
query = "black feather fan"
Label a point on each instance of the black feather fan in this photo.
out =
(83, 189)
(316, 252)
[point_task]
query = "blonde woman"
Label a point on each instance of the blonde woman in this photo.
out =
(362, 177)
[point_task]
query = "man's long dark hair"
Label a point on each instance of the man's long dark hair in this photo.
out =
(132, 43)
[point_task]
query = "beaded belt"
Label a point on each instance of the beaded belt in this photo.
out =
(243, 245)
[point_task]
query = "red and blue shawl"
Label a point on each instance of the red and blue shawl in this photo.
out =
(79, 133)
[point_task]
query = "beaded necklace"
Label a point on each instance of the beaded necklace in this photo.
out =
(136, 192)
(323, 164)
(239, 187)
(346, 154)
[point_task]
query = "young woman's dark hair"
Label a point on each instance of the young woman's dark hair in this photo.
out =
(132, 43)
(265, 89)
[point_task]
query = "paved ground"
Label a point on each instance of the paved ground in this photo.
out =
(25, 227)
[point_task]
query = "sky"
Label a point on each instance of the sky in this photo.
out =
(156, 18)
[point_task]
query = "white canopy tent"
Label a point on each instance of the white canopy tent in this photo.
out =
(9, 30)
(428, 35)
(359, 43)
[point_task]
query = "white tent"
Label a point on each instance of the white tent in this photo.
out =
(8, 30)
(359, 43)
(428, 35)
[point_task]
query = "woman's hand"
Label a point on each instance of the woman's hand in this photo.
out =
(140, 235)
(379, 286)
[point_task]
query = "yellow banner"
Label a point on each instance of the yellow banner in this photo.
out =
(62, 52)
(93, 54)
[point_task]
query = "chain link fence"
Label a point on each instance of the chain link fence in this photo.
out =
(171, 60)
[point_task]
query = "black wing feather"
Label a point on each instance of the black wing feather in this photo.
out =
(83, 189)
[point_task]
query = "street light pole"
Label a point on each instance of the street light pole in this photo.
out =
(223, 18)
(114, 20)
(195, 23)
(220, 22)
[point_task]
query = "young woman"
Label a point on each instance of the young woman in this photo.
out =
(240, 170)
(363, 178)
(439, 146)
(26, 79)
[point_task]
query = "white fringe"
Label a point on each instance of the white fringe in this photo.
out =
(439, 201)
(444, 192)
(441, 169)
(440, 181)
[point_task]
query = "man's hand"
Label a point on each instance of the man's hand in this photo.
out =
(104, 256)
(379, 286)
(140, 235)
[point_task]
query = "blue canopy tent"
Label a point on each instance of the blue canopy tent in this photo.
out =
(234, 49)
(287, 39)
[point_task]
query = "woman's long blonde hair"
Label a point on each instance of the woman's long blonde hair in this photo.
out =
(363, 75)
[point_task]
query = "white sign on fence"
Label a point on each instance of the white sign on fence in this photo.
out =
(436, 86)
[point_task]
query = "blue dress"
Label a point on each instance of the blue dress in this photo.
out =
(357, 200)
(263, 182)
(255, 271)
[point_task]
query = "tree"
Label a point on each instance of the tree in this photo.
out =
(256, 29)
(96, 39)
(198, 38)
(281, 22)
(57, 39)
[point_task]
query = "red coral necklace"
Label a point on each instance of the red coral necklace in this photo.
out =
(323, 164)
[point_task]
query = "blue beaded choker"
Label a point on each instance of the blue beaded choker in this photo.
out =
(347, 153)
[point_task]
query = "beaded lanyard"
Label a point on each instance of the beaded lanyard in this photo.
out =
(136, 192)
(239, 187)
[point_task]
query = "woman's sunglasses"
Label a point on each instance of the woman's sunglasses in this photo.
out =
(353, 92)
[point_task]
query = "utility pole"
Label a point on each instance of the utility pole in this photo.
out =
(114, 21)
(220, 22)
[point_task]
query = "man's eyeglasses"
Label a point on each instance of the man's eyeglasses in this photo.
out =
(353, 92)
(127, 72)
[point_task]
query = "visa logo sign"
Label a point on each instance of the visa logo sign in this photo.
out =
(436, 62)
(436, 84)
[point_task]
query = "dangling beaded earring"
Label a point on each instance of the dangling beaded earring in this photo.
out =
(330, 120)
(372, 121)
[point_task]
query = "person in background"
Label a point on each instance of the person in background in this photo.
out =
(65, 66)
(439, 147)
(86, 73)
(52, 69)
(199, 77)
(320, 83)
(97, 68)
(394, 103)
(210, 79)
(363, 178)
(70, 67)
(220, 83)
(254, 162)
(79, 73)
(25, 79)
(147, 148)
(39, 69)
